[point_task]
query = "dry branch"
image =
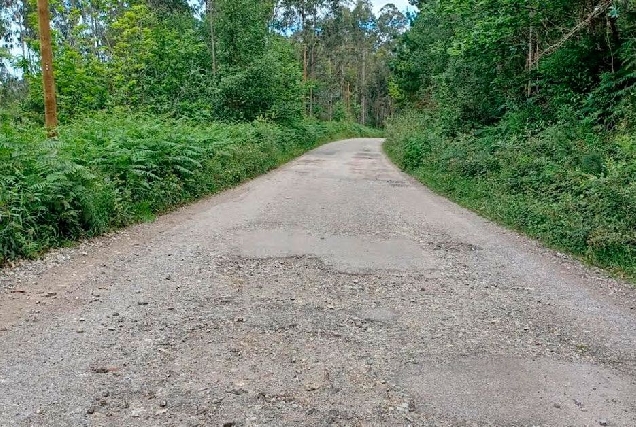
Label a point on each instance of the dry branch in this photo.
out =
(598, 10)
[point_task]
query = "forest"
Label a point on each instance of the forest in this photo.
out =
(219, 60)
(522, 110)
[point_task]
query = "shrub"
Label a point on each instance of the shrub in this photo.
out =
(563, 184)
(116, 169)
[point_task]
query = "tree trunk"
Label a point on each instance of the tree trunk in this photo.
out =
(211, 10)
(348, 102)
(363, 87)
(311, 76)
(530, 61)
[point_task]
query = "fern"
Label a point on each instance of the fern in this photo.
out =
(111, 170)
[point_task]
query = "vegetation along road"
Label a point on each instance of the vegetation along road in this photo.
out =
(334, 291)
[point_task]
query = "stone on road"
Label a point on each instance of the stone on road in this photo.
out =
(333, 291)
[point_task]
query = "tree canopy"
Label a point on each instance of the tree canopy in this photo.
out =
(226, 60)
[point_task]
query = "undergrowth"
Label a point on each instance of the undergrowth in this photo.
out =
(567, 184)
(112, 170)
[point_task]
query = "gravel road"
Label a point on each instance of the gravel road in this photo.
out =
(334, 291)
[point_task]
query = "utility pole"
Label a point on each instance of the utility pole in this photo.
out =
(46, 50)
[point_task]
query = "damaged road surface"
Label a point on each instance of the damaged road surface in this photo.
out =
(333, 291)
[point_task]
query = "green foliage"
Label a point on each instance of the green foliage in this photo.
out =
(523, 111)
(110, 170)
(565, 184)
(269, 87)
(81, 82)
(159, 60)
(475, 61)
(242, 30)
(229, 60)
(160, 63)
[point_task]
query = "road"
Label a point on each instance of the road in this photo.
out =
(333, 291)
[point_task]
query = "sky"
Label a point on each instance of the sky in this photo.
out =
(401, 4)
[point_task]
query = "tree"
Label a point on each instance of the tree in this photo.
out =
(242, 31)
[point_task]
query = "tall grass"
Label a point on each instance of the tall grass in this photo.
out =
(568, 185)
(112, 170)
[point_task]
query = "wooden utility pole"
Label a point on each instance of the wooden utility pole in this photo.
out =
(46, 50)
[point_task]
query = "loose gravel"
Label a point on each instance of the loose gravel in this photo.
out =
(334, 291)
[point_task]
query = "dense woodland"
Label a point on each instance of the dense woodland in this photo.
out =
(520, 109)
(225, 60)
(525, 111)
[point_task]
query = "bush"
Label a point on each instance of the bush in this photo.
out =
(563, 184)
(269, 87)
(116, 169)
